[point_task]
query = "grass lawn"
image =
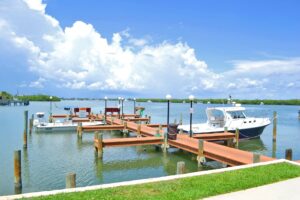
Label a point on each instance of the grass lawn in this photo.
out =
(195, 187)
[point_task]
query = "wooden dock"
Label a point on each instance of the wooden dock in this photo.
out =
(150, 136)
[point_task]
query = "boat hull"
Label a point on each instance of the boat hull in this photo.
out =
(247, 133)
(250, 133)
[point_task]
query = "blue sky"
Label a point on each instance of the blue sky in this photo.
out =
(249, 49)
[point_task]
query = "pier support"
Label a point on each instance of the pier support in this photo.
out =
(200, 158)
(139, 130)
(17, 170)
(99, 144)
(79, 130)
(289, 154)
(256, 158)
(237, 137)
(274, 126)
(125, 130)
(71, 180)
(180, 121)
(165, 145)
(180, 167)
(25, 129)
(31, 123)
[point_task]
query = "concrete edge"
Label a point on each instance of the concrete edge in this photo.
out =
(142, 181)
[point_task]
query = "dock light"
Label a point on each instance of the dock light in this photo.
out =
(134, 100)
(191, 98)
(50, 105)
(168, 97)
(122, 100)
(105, 106)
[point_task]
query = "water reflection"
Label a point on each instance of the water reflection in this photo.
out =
(253, 145)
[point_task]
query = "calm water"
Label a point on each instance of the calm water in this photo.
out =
(50, 157)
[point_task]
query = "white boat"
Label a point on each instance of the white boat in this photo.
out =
(41, 124)
(231, 117)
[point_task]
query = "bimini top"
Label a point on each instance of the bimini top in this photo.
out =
(228, 109)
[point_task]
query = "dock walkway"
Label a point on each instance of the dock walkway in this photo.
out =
(217, 152)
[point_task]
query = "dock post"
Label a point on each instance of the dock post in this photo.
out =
(160, 127)
(25, 128)
(17, 170)
(112, 120)
(181, 131)
(149, 120)
(31, 123)
(139, 130)
(230, 142)
(289, 154)
(180, 167)
(99, 144)
(125, 130)
(71, 180)
(225, 129)
(79, 130)
(274, 126)
(237, 137)
(256, 158)
(180, 121)
(165, 144)
(200, 158)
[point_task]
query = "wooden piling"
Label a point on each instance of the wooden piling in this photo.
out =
(79, 130)
(138, 130)
(149, 120)
(289, 154)
(237, 137)
(71, 180)
(99, 145)
(180, 121)
(31, 123)
(180, 167)
(17, 169)
(230, 142)
(125, 130)
(256, 158)
(181, 131)
(274, 126)
(200, 157)
(25, 129)
(165, 144)
(160, 127)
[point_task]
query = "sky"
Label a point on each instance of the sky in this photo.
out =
(131, 48)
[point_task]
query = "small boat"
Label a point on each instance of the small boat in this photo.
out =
(67, 125)
(231, 117)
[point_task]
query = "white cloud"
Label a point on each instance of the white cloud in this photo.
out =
(38, 83)
(78, 57)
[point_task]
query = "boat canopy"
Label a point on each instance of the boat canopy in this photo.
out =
(40, 114)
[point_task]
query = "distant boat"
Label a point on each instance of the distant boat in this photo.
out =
(183, 101)
(41, 124)
(208, 102)
(149, 101)
(262, 103)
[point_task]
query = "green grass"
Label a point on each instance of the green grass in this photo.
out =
(195, 187)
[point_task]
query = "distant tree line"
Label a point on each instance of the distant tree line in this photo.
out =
(224, 101)
(38, 97)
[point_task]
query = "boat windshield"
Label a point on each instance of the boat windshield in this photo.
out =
(237, 114)
(216, 117)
